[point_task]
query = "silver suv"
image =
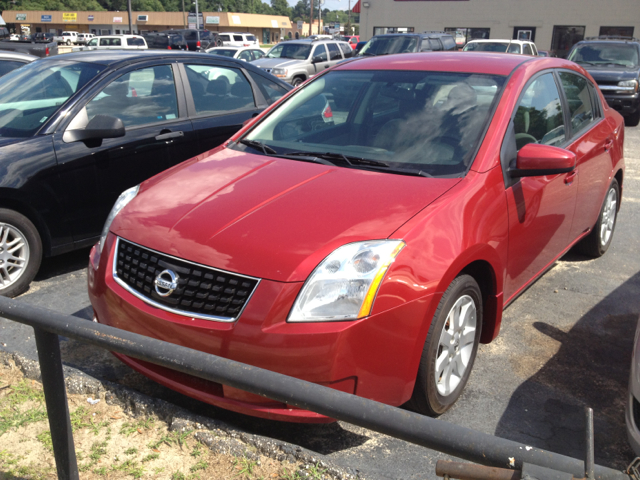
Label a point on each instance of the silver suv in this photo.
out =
(295, 61)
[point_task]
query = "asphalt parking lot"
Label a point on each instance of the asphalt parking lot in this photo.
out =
(565, 344)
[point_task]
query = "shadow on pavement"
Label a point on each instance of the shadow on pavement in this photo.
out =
(591, 368)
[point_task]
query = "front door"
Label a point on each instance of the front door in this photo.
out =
(540, 208)
(158, 136)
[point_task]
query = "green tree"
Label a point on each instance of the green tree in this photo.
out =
(281, 7)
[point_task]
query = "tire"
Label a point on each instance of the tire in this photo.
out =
(435, 391)
(14, 229)
(598, 241)
(633, 119)
(297, 81)
(218, 42)
(68, 42)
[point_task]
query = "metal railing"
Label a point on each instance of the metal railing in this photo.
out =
(432, 433)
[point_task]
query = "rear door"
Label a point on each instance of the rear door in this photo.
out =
(220, 97)
(335, 55)
(149, 99)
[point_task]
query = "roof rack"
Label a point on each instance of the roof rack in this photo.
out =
(613, 37)
(436, 31)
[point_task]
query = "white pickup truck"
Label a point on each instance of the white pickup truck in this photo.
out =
(67, 37)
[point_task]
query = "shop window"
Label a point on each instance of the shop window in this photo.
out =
(463, 34)
(524, 33)
(383, 30)
(617, 31)
(565, 37)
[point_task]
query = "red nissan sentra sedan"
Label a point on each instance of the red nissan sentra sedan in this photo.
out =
(366, 232)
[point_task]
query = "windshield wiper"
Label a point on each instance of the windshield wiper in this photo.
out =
(351, 160)
(617, 64)
(307, 157)
(588, 63)
(266, 149)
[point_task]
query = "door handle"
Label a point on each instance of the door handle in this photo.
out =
(608, 144)
(570, 178)
(169, 135)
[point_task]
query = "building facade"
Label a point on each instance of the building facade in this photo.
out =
(552, 24)
(267, 28)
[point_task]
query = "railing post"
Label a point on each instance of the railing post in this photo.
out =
(55, 395)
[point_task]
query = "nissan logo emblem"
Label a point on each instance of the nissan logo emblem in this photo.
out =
(166, 282)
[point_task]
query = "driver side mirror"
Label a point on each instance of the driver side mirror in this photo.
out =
(536, 160)
(98, 128)
(317, 59)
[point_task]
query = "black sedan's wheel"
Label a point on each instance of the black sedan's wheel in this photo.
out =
(597, 242)
(20, 252)
(450, 349)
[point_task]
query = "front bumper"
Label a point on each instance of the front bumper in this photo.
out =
(376, 357)
(625, 104)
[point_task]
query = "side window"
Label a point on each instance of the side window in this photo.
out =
(320, 52)
(539, 117)
(93, 42)
(8, 65)
(246, 56)
(140, 97)
(425, 46)
(257, 54)
(271, 90)
(346, 50)
(334, 52)
(527, 49)
(514, 48)
(436, 46)
(237, 38)
(448, 42)
(104, 42)
(579, 99)
(224, 38)
(595, 101)
(219, 89)
(535, 49)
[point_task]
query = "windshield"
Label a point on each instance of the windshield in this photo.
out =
(606, 53)
(225, 52)
(486, 47)
(296, 51)
(401, 121)
(30, 95)
(391, 44)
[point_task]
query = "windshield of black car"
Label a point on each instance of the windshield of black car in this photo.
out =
(486, 47)
(606, 53)
(32, 94)
(391, 44)
(296, 51)
(225, 52)
(420, 121)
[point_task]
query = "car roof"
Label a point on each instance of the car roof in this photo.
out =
(4, 55)
(106, 57)
(462, 62)
(492, 40)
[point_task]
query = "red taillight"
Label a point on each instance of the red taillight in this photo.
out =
(169, 47)
(198, 44)
(327, 113)
(46, 52)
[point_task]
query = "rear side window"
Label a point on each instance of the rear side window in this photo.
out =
(514, 48)
(448, 42)
(346, 50)
(539, 117)
(251, 38)
(136, 42)
(425, 46)
(110, 42)
(435, 44)
(334, 52)
(576, 89)
(527, 49)
(270, 90)
(224, 38)
(246, 56)
(218, 90)
(237, 38)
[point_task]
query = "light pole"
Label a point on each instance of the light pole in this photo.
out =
(197, 25)
(129, 10)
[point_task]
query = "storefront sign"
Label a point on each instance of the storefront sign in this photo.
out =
(90, 18)
(69, 17)
(117, 19)
(274, 24)
(45, 18)
(21, 17)
(235, 19)
(213, 20)
(300, 24)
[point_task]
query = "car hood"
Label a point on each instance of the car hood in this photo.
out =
(269, 217)
(276, 62)
(611, 74)
(10, 140)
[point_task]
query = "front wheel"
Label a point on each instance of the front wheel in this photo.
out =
(450, 348)
(633, 119)
(68, 42)
(296, 81)
(20, 252)
(598, 241)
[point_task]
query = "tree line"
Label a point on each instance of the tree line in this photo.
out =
(300, 11)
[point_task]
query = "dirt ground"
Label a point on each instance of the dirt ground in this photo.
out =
(112, 445)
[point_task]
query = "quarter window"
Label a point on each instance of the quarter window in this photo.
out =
(539, 117)
(576, 89)
(435, 44)
(271, 90)
(218, 89)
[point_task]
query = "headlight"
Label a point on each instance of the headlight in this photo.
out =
(122, 201)
(279, 72)
(345, 284)
(629, 83)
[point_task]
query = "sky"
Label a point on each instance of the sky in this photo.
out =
(330, 4)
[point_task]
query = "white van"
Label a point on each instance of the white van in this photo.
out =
(84, 38)
(117, 42)
(233, 39)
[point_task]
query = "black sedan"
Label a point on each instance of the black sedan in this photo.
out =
(76, 130)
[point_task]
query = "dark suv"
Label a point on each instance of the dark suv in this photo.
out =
(408, 43)
(199, 40)
(614, 63)
(166, 40)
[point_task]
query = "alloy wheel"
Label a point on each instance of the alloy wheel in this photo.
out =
(14, 254)
(608, 217)
(456, 345)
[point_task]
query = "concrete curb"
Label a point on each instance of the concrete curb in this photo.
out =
(219, 436)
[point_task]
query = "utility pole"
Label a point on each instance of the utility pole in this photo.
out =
(184, 18)
(129, 10)
(311, 19)
(197, 24)
(349, 18)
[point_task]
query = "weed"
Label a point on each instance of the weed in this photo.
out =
(130, 467)
(171, 439)
(131, 451)
(45, 438)
(201, 465)
(285, 474)
(196, 451)
(244, 466)
(178, 476)
(316, 472)
(158, 470)
(100, 471)
(12, 417)
(151, 456)
(129, 428)
(98, 450)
